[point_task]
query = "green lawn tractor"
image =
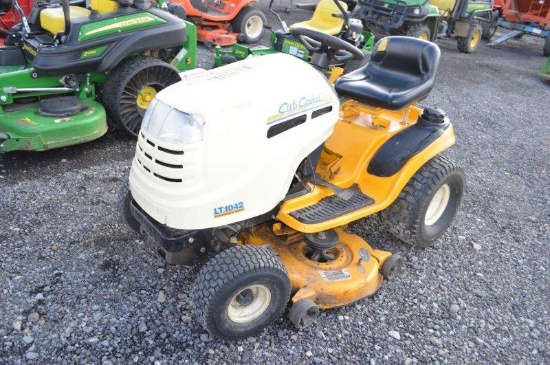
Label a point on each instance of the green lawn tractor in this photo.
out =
(466, 20)
(329, 17)
(66, 68)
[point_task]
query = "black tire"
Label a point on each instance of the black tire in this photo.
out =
(409, 219)
(488, 29)
(469, 43)
(131, 86)
(303, 313)
(546, 48)
(392, 267)
(124, 200)
(240, 291)
(420, 31)
(250, 24)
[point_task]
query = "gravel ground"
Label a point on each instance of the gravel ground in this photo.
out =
(76, 288)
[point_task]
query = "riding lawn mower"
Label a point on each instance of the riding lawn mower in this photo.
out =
(65, 66)
(330, 17)
(260, 187)
(223, 23)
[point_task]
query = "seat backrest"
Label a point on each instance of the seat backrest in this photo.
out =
(104, 6)
(322, 16)
(401, 71)
(53, 20)
(405, 56)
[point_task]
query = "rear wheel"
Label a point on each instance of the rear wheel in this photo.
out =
(419, 31)
(240, 291)
(428, 204)
(469, 43)
(132, 85)
(250, 24)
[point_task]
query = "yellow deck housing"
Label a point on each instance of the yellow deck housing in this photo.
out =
(341, 281)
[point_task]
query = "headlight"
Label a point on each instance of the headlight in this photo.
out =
(416, 11)
(170, 125)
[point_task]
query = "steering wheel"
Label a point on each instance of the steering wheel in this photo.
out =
(318, 42)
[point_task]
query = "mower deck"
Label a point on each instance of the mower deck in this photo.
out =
(353, 274)
(31, 131)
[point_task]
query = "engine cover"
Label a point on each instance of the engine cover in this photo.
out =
(261, 117)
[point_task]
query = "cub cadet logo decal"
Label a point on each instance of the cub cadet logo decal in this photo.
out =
(300, 105)
(228, 209)
(122, 24)
(303, 101)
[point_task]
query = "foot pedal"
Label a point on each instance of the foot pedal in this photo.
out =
(331, 207)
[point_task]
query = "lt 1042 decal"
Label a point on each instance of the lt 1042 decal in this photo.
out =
(228, 209)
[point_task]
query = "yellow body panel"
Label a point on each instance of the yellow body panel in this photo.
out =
(322, 19)
(52, 19)
(359, 133)
(341, 281)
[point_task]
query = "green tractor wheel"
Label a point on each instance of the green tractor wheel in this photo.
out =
(469, 43)
(132, 85)
(419, 31)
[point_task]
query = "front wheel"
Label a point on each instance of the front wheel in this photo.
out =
(420, 31)
(469, 43)
(240, 291)
(428, 204)
(250, 24)
(132, 85)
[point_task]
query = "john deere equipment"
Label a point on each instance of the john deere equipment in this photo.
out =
(428, 20)
(65, 66)
(329, 17)
(269, 179)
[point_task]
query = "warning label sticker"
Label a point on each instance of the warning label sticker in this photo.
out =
(337, 275)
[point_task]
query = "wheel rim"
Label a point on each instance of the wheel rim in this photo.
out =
(437, 205)
(249, 304)
(145, 95)
(254, 26)
(132, 105)
(475, 38)
(423, 36)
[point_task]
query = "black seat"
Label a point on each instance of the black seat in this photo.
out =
(401, 71)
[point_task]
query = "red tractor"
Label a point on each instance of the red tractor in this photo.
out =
(224, 22)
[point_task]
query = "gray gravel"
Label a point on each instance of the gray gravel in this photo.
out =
(76, 288)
